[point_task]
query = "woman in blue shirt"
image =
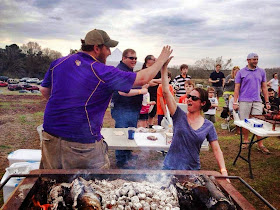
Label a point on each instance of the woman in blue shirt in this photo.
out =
(190, 130)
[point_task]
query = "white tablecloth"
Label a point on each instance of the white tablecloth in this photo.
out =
(266, 130)
(141, 140)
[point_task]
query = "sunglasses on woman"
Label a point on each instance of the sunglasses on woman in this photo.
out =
(194, 98)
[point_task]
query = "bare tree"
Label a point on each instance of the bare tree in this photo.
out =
(73, 51)
(31, 48)
(210, 63)
(52, 54)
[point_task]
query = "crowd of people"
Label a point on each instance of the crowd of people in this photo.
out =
(73, 117)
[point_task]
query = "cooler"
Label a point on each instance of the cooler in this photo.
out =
(24, 155)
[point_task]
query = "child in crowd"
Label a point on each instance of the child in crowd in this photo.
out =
(210, 114)
(144, 112)
(189, 86)
(161, 103)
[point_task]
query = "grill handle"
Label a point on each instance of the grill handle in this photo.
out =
(250, 188)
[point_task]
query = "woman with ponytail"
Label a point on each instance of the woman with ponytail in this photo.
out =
(153, 86)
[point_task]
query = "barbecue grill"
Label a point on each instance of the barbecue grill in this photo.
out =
(31, 185)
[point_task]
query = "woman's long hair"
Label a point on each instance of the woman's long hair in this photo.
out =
(203, 95)
(233, 74)
(148, 57)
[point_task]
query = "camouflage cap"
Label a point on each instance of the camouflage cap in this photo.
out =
(98, 37)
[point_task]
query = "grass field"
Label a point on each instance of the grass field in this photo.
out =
(21, 114)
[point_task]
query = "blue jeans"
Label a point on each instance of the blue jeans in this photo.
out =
(124, 118)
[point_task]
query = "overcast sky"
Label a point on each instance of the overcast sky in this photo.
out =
(195, 28)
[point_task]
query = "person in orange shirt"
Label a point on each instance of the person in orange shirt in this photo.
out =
(189, 86)
(161, 103)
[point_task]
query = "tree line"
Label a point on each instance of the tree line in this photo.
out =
(29, 60)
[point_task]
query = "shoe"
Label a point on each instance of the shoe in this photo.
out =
(263, 149)
(120, 165)
(128, 167)
(245, 146)
(125, 166)
(133, 157)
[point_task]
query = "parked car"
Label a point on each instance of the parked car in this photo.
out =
(4, 78)
(40, 82)
(31, 87)
(23, 83)
(3, 84)
(13, 87)
(24, 79)
(13, 81)
(36, 91)
(24, 91)
(32, 80)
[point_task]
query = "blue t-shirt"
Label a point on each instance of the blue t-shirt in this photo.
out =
(183, 153)
(81, 89)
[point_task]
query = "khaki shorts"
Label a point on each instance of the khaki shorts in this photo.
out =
(249, 108)
(218, 91)
(61, 154)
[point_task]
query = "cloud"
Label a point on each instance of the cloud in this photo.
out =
(46, 4)
(195, 29)
(56, 18)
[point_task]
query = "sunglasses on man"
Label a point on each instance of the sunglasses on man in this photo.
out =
(194, 98)
(132, 58)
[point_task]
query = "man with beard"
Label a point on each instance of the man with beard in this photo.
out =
(79, 88)
(274, 101)
(249, 82)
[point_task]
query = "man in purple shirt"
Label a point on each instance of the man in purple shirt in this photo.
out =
(79, 88)
(249, 83)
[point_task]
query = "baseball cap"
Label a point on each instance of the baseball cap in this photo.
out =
(252, 55)
(98, 37)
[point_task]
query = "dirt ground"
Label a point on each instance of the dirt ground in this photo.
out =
(21, 114)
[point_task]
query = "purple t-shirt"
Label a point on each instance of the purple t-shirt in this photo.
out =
(250, 83)
(81, 89)
(184, 150)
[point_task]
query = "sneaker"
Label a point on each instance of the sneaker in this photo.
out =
(133, 157)
(120, 165)
(245, 145)
(128, 167)
(263, 149)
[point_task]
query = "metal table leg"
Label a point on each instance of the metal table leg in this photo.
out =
(240, 147)
(249, 156)
(248, 159)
